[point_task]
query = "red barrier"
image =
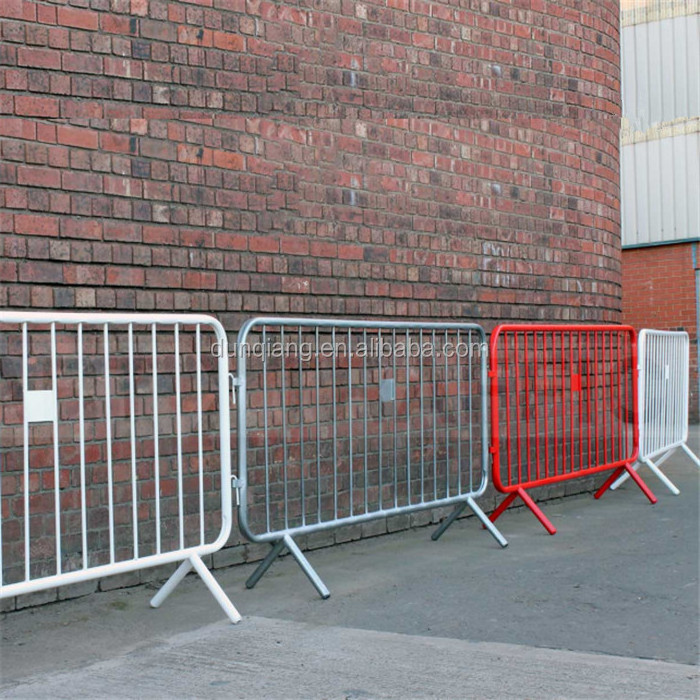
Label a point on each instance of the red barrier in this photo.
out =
(561, 398)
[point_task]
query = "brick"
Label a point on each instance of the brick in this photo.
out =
(36, 106)
(76, 136)
(36, 225)
(229, 161)
(228, 41)
(39, 58)
(38, 177)
(78, 18)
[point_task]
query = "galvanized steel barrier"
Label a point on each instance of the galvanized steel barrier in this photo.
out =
(562, 398)
(664, 363)
(342, 421)
(110, 461)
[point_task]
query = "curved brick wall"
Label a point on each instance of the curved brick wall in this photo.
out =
(426, 159)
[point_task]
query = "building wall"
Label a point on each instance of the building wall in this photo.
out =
(659, 290)
(431, 160)
(417, 159)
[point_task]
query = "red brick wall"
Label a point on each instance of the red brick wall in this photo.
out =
(659, 291)
(397, 159)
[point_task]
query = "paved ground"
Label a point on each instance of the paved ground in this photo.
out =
(608, 607)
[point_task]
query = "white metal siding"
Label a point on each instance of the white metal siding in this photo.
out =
(660, 154)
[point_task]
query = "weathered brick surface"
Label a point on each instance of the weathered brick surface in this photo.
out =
(660, 291)
(425, 159)
(454, 160)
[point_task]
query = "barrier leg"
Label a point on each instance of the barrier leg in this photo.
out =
(211, 583)
(487, 523)
(266, 563)
(537, 512)
(306, 567)
(633, 474)
(662, 477)
(448, 521)
(691, 454)
(195, 562)
(503, 506)
(654, 467)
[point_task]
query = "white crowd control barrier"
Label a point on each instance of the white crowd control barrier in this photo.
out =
(114, 448)
(664, 361)
(342, 421)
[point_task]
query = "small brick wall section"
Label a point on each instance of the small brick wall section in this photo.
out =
(659, 290)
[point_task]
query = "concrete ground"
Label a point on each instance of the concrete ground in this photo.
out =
(608, 607)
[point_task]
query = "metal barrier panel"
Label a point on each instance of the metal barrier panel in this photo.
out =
(664, 390)
(115, 448)
(562, 398)
(344, 421)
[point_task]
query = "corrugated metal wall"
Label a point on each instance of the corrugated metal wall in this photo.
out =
(660, 158)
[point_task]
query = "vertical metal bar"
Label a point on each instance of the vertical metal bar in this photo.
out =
(132, 434)
(265, 429)
(422, 420)
(318, 429)
(200, 438)
(580, 402)
(611, 455)
(588, 396)
(379, 418)
(81, 427)
(516, 353)
(459, 417)
(527, 405)
(434, 382)
(545, 372)
(395, 402)
(408, 419)
(536, 371)
(482, 367)
(555, 414)
(108, 437)
(335, 431)
(619, 400)
(302, 485)
(56, 465)
(563, 406)
(284, 427)
(25, 430)
(156, 449)
(597, 397)
(506, 370)
(447, 420)
(364, 418)
(349, 355)
(178, 419)
(627, 404)
(571, 401)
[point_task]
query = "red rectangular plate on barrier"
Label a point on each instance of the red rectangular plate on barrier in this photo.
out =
(563, 406)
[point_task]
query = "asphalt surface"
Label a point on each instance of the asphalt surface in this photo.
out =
(608, 607)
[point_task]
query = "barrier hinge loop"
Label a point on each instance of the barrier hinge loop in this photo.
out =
(235, 382)
(237, 485)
